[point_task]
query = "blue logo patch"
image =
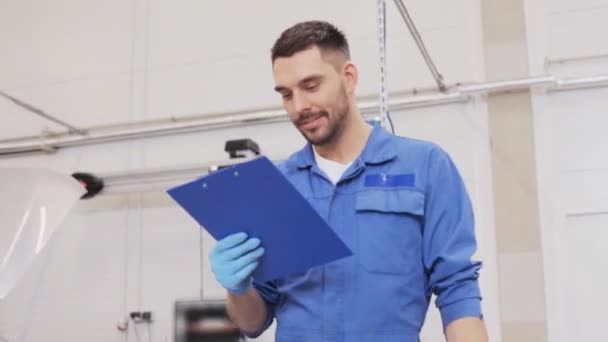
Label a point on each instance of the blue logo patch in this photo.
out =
(386, 180)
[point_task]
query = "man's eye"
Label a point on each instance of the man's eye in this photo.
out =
(312, 87)
(286, 96)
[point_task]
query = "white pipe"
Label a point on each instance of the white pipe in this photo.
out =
(96, 135)
(582, 83)
(500, 86)
(176, 126)
(136, 131)
(407, 102)
(564, 60)
(156, 179)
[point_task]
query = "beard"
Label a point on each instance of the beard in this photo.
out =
(325, 134)
(331, 131)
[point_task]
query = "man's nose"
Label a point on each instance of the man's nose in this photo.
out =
(301, 103)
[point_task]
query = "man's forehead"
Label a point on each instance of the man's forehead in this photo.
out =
(300, 66)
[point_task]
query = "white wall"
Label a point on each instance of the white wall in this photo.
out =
(575, 211)
(84, 61)
(568, 39)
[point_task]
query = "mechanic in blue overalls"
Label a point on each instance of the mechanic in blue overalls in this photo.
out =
(398, 203)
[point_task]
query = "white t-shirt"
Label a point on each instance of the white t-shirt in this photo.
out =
(332, 169)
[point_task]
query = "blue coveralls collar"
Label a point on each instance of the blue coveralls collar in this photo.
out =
(380, 148)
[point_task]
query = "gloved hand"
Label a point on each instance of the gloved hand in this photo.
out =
(233, 260)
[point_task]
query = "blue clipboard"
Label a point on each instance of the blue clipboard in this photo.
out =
(256, 198)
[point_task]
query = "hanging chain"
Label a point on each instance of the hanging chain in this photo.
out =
(382, 54)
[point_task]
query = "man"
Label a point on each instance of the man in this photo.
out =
(398, 203)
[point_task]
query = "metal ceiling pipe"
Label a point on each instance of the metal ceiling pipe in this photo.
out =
(177, 126)
(96, 135)
(551, 61)
(136, 131)
(420, 43)
(41, 113)
(582, 83)
(512, 85)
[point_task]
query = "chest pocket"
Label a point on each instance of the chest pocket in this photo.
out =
(389, 230)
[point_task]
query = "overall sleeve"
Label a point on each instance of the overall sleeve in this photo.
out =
(449, 242)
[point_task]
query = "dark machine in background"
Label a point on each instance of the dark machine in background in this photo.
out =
(204, 321)
(242, 148)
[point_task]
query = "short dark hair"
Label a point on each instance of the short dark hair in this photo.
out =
(307, 34)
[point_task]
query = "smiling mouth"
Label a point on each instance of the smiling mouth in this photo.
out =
(311, 124)
(310, 120)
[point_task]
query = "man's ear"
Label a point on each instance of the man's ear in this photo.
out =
(350, 76)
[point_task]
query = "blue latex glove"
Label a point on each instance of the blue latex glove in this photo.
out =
(233, 260)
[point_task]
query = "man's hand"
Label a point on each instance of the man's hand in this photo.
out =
(233, 260)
